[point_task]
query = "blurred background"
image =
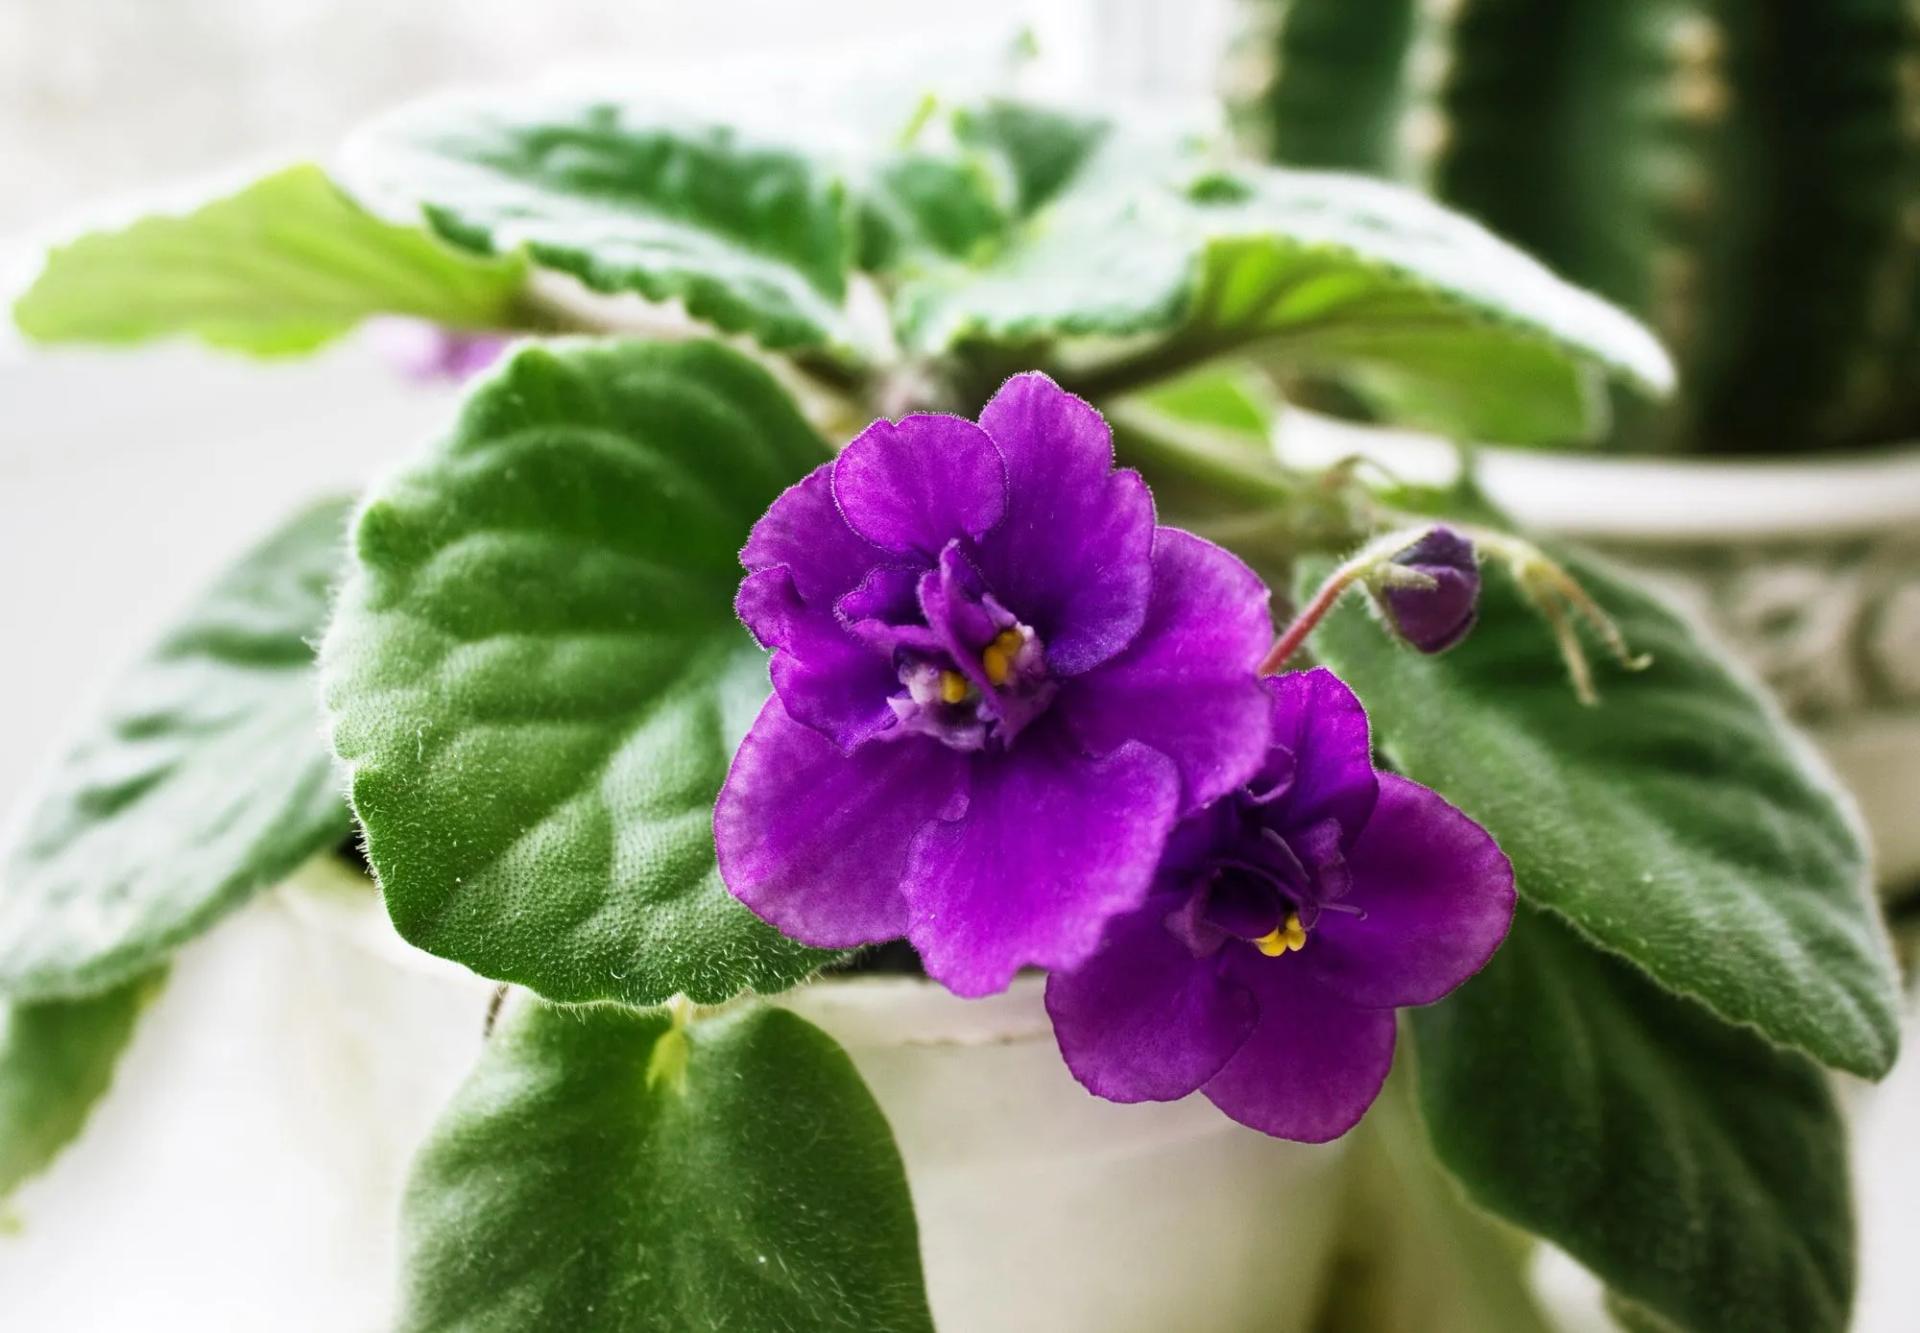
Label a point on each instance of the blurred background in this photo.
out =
(1751, 189)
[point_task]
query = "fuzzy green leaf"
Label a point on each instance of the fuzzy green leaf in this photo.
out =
(1147, 239)
(1680, 823)
(753, 236)
(56, 1061)
(603, 1169)
(204, 779)
(281, 267)
(1697, 1170)
(537, 680)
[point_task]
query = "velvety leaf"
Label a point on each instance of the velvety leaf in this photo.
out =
(204, 778)
(1698, 1170)
(604, 1169)
(537, 680)
(753, 236)
(1679, 823)
(56, 1061)
(283, 266)
(1146, 238)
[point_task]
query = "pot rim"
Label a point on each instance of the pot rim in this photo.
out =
(862, 1011)
(1637, 498)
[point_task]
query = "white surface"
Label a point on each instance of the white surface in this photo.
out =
(245, 1170)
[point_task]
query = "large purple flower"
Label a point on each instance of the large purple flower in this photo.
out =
(1287, 923)
(997, 685)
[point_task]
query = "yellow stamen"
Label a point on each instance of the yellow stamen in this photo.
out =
(953, 687)
(1283, 938)
(997, 659)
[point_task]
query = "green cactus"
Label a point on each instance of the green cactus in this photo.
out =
(1744, 174)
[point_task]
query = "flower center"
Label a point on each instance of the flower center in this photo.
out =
(975, 699)
(1267, 885)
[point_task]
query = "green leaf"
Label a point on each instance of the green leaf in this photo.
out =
(56, 1061)
(607, 1169)
(1146, 238)
(283, 266)
(1680, 823)
(1697, 1170)
(204, 779)
(753, 236)
(537, 680)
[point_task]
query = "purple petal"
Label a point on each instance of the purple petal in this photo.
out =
(1053, 845)
(1312, 1065)
(1316, 717)
(1143, 1020)
(1186, 684)
(815, 841)
(912, 487)
(826, 678)
(1073, 556)
(884, 612)
(804, 532)
(1437, 894)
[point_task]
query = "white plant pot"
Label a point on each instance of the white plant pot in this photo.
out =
(1808, 568)
(245, 1170)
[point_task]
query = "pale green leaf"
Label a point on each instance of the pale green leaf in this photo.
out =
(1697, 1170)
(1148, 238)
(1679, 823)
(56, 1061)
(537, 680)
(603, 1169)
(283, 266)
(205, 777)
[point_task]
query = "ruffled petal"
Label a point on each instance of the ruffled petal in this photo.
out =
(1437, 897)
(815, 841)
(1073, 557)
(1052, 847)
(1330, 758)
(1186, 684)
(827, 678)
(804, 532)
(913, 486)
(1312, 1065)
(1143, 1020)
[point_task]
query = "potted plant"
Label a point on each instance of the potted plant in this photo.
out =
(949, 419)
(1742, 180)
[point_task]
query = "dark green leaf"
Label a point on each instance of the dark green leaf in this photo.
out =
(1680, 823)
(283, 266)
(1699, 1171)
(537, 679)
(56, 1061)
(204, 779)
(603, 1169)
(755, 237)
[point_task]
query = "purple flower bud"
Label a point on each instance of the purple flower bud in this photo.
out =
(1434, 619)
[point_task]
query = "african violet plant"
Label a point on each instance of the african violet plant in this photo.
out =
(1024, 708)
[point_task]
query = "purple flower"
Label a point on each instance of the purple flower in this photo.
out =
(997, 685)
(427, 352)
(1434, 619)
(1287, 923)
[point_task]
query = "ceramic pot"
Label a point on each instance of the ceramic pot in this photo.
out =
(245, 1170)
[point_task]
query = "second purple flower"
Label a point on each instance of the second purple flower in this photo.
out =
(997, 686)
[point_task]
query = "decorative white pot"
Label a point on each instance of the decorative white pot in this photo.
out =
(1808, 568)
(245, 1170)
